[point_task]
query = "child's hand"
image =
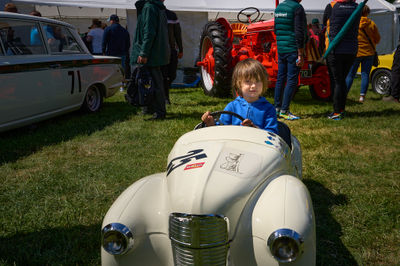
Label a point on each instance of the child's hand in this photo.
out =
(208, 119)
(248, 123)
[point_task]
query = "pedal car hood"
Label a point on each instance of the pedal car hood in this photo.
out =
(215, 170)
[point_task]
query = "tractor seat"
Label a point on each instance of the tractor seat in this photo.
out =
(239, 28)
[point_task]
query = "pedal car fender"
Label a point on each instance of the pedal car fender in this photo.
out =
(282, 208)
(143, 210)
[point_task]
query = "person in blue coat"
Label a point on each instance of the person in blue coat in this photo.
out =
(250, 81)
(116, 40)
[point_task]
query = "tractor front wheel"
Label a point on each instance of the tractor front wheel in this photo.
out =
(215, 60)
(321, 88)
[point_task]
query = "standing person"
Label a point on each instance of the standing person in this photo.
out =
(95, 37)
(318, 32)
(342, 56)
(35, 36)
(250, 81)
(175, 42)
(150, 47)
(116, 41)
(325, 29)
(315, 31)
(291, 35)
(395, 88)
(368, 38)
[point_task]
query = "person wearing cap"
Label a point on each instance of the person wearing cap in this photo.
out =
(315, 26)
(116, 41)
(151, 48)
(317, 34)
(95, 37)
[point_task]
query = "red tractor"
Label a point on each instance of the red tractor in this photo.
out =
(222, 45)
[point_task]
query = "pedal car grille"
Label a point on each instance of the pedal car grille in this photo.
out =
(199, 239)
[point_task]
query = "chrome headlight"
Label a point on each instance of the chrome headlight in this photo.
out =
(116, 239)
(286, 245)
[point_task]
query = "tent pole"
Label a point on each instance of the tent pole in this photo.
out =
(58, 10)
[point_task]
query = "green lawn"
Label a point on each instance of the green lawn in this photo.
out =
(59, 177)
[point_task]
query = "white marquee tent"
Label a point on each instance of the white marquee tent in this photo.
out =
(194, 14)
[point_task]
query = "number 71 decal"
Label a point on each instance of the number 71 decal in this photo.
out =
(72, 74)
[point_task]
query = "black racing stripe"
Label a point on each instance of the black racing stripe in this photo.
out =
(7, 69)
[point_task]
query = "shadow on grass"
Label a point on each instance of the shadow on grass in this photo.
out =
(330, 249)
(209, 102)
(381, 113)
(24, 141)
(191, 115)
(78, 245)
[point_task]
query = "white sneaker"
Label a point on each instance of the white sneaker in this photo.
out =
(362, 98)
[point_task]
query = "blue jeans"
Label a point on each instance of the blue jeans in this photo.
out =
(123, 62)
(366, 65)
(288, 73)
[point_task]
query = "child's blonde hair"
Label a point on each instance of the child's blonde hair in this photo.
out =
(249, 69)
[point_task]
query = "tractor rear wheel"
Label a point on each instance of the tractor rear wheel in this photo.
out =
(321, 89)
(215, 60)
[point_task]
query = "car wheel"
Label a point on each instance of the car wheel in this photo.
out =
(321, 89)
(215, 57)
(93, 99)
(381, 81)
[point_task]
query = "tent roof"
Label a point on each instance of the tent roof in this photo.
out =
(311, 6)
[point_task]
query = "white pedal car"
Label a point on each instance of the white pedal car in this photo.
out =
(231, 195)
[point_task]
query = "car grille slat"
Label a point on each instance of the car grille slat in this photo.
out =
(199, 239)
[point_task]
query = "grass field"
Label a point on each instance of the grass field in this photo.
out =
(59, 177)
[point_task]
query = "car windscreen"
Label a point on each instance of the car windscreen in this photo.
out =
(20, 37)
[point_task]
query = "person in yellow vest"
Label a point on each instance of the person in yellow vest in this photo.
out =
(368, 38)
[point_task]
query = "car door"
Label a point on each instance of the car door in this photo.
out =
(26, 89)
(69, 57)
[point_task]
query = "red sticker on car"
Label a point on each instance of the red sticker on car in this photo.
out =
(193, 166)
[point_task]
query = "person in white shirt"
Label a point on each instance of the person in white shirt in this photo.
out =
(95, 37)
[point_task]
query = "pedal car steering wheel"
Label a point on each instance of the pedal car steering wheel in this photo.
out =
(216, 116)
(248, 12)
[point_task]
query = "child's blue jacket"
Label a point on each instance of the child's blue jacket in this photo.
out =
(261, 112)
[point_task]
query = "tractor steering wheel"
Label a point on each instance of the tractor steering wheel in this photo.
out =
(216, 116)
(248, 12)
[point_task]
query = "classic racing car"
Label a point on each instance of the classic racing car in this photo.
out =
(230, 195)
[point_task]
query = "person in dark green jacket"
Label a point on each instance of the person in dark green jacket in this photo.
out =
(291, 34)
(151, 48)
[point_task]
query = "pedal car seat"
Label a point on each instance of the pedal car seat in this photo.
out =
(284, 133)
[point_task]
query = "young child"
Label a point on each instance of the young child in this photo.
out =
(249, 81)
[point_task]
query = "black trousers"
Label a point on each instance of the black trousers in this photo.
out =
(339, 65)
(158, 104)
(169, 72)
(395, 88)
